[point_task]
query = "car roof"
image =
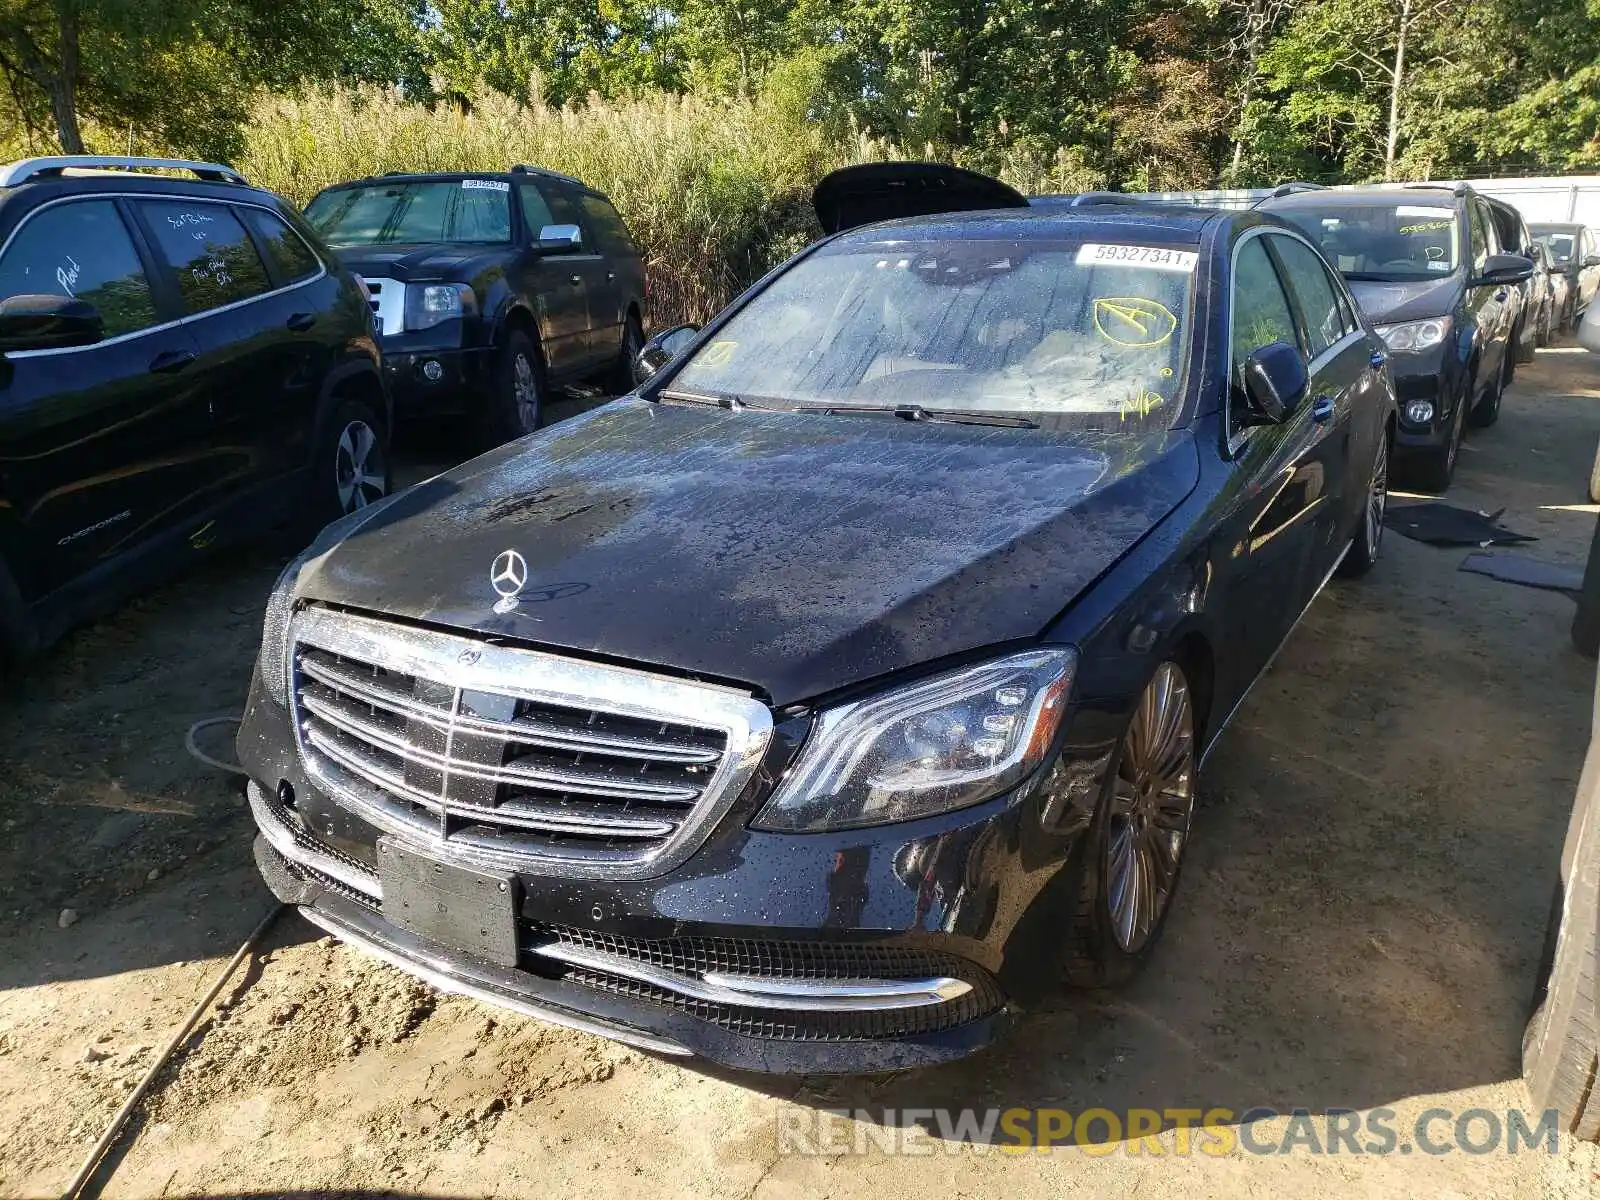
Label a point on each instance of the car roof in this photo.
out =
(1361, 197)
(1556, 226)
(91, 183)
(517, 172)
(1164, 223)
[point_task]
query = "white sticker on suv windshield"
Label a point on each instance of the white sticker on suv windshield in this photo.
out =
(1151, 258)
(492, 185)
(1417, 210)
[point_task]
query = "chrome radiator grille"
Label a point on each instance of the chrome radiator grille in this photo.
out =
(516, 756)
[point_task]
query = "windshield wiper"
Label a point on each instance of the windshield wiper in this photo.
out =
(731, 402)
(952, 416)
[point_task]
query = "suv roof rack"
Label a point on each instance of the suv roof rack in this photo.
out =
(1289, 189)
(1455, 189)
(1088, 199)
(34, 168)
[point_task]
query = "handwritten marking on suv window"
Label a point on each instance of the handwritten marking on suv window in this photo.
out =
(1149, 258)
(1133, 320)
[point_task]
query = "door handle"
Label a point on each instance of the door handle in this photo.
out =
(611, 276)
(301, 322)
(170, 362)
(576, 281)
(1377, 360)
(1501, 294)
(1322, 409)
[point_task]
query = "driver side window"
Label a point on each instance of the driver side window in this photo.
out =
(1260, 315)
(81, 249)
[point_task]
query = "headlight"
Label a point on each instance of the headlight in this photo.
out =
(941, 744)
(1415, 335)
(430, 304)
(280, 602)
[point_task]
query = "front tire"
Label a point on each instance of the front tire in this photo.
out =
(1437, 467)
(620, 381)
(1133, 852)
(517, 401)
(1487, 411)
(1367, 545)
(351, 462)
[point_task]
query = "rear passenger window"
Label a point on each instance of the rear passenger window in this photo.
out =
(287, 249)
(1319, 301)
(607, 224)
(209, 252)
(81, 250)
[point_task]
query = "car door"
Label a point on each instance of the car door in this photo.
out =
(555, 282)
(1485, 304)
(588, 266)
(1272, 522)
(608, 297)
(103, 447)
(211, 262)
(1344, 370)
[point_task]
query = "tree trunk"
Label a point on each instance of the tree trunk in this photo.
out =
(1396, 81)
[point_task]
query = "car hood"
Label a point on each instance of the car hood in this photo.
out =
(793, 553)
(406, 263)
(1385, 303)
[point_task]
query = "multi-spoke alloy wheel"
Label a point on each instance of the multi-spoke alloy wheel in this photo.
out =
(358, 472)
(1378, 499)
(1152, 802)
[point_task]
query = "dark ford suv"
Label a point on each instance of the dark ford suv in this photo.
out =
(1428, 267)
(490, 288)
(181, 361)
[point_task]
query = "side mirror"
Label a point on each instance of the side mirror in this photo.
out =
(560, 239)
(48, 323)
(1504, 268)
(1591, 260)
(662, 349)
(1275, 382)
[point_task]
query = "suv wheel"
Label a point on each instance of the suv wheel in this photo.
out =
(1134, 851)
(1487, 411)
(1437, 468)
(621, 378)
(352, 461)
(517, 406)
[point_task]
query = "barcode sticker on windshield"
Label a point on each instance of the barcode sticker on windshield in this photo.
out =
(1151, 258)
(492, 185)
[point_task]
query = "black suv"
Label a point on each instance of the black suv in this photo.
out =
(1428, 267)
(489, 289)
(181, 361)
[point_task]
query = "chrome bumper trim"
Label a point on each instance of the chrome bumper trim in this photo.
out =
(282, 839)
(769, 992)
(439, 978)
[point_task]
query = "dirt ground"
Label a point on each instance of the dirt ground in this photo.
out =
(1357, 927)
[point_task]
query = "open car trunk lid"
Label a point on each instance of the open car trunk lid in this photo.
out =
(871, 192)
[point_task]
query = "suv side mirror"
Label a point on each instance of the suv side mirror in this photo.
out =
(1591, 260)
(560, 239)
(48, 323)
(1275, 381)
(1505, 268)
(662, 349)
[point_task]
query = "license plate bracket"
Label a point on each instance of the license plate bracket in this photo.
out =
(460, 907)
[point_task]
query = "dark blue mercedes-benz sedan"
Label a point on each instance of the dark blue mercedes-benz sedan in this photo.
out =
(842, 690)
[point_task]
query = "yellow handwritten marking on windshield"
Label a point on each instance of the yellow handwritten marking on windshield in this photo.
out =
(1426, 227)
(1142, 403)
(719, 354)
(1133, 320)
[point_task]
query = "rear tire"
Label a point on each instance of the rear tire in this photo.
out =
(517, 385)
(620, 381)
(350, 466)
(1137, 836)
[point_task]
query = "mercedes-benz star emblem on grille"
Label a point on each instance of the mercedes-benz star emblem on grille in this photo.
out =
(508, 575)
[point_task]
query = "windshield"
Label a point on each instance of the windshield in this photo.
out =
(1383, 241)
(1070, 334)
(435, 210)
(1561, 245)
